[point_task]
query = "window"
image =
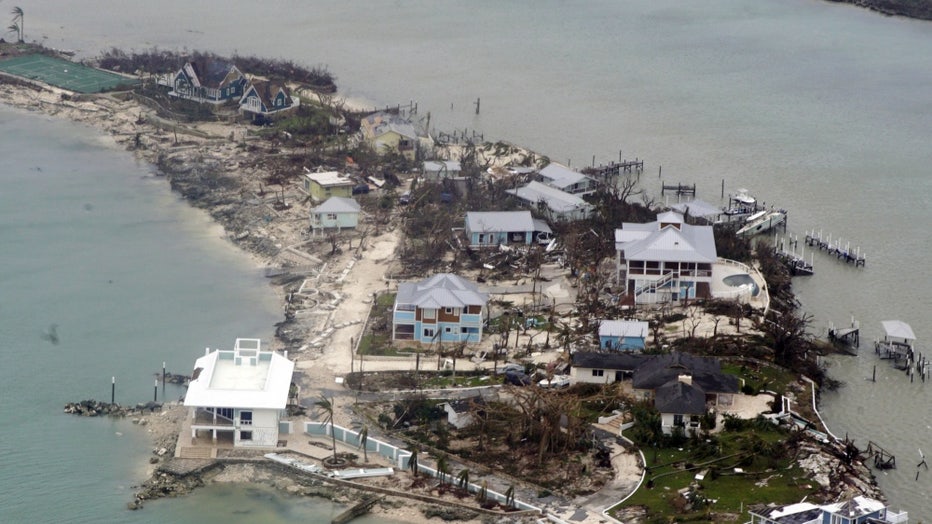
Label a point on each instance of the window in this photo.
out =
(678, 420)
(245, 435)
(331, 216)
(429, 332)
(429, 313)
(448, 329)
(448, 310)
(245, 418)
(598, 372)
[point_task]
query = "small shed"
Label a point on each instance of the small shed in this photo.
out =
(623, 335)
(460, 411)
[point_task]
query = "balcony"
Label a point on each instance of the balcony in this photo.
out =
(202, 417)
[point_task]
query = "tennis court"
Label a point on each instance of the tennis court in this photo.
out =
(64, 74)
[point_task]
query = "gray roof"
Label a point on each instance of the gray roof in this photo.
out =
(706, 373)
(435, 166)
(697, 208)
(649, 242)
(614, 360)
(558, 201)
(623, 328)
(499, 221)
(441, 290)
(797, 513)
(560, 176)
(678, 397)
(382, 122)
(337, 204)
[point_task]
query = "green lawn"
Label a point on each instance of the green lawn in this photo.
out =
(738, 468)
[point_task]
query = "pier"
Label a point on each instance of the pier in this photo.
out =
(835, 248)
(679, 189)
(616, 168)
(796, 263)
(883, 459)
(849, 336)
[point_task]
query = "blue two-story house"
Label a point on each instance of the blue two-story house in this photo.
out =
(623, 335)
(442, 308)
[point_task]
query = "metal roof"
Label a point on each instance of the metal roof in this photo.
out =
(560, 176)
(337, 204)
(623, 328)
(558, 201)
(673, 243)
(898, 329)
(705, 372)
(441, 290)
(499, 221)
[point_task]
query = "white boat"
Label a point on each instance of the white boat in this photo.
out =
(761, 222)
(740, 205)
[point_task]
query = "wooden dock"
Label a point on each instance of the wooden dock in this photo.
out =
(846, 337)
(615, 169)
(679, 189)
(835, 248)
(882, 458)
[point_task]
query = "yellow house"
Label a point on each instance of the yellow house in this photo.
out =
(324, 185)
(387, 132)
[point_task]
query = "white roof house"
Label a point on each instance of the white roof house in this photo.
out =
(442, 169)
(623, 328)
(240, 392)
(561, 204)
(329, 178)
(657, 241)
(245, 376)
(565, 179)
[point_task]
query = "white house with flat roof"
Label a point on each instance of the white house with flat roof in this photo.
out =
(239, 395)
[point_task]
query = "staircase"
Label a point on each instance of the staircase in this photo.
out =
(199, 452)
(654, 285)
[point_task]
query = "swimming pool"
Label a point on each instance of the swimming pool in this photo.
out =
(742, 280)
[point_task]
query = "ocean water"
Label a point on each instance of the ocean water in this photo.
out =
(821, 108)
(98, 251)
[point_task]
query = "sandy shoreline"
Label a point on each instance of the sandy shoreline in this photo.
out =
(127, 125)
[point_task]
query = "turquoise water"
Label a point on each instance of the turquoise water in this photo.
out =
(130, 276)
(821, 108)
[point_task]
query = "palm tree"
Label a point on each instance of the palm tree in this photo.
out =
(412, 462)
(363, 440)
(18, 22)
(14, 28)
(326, 407)
(463, 479)
(443, 467)
(510, 496)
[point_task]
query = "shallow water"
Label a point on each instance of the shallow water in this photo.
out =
(816, 107)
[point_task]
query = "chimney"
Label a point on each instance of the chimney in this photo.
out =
(685, 378)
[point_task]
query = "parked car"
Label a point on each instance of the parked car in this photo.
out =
(405, 198)
(361, 189)
(446, 198)
(558, 381)
(517, 378)
(511, 368)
